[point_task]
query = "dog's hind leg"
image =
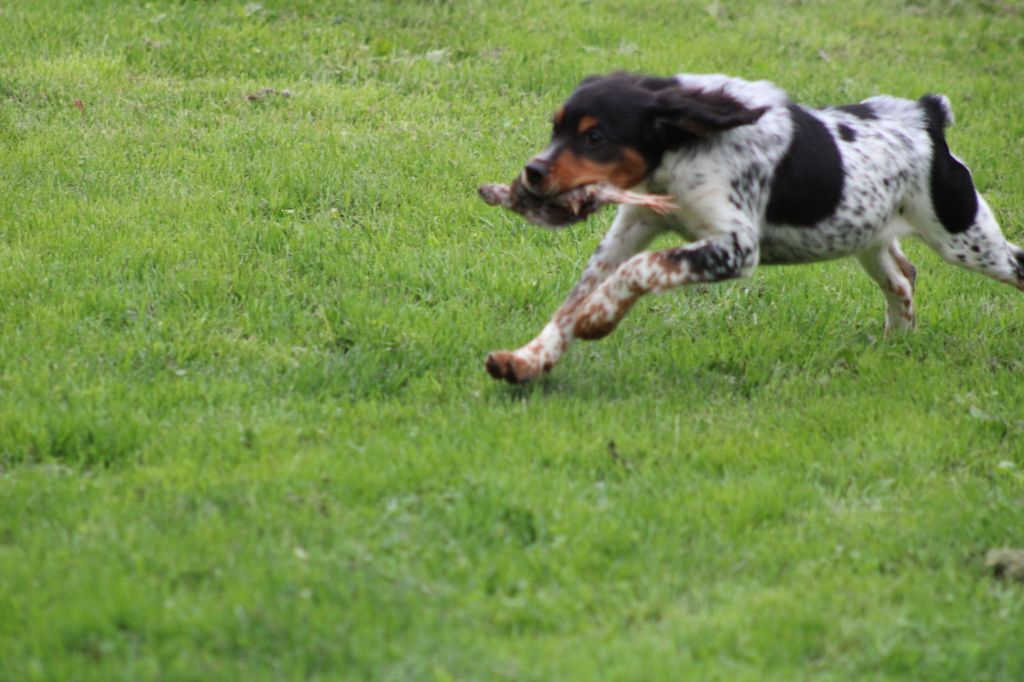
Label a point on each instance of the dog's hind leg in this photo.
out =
(980, 247)
(895, 275)
(952, 217)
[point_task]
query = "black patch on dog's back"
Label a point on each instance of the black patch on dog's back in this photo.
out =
(953, 195)
(846, 132)
(808, 182)
(862, 111)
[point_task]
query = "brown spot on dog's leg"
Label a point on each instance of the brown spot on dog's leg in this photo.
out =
(906, 267)
(588, 330)
(593, 324)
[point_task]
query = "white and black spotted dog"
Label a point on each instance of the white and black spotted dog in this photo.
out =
(758, 180)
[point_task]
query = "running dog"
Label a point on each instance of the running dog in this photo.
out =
(754, 179)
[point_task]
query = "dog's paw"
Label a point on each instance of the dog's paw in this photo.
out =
(512, 368)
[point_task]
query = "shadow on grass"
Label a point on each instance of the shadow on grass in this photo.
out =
(704, 369)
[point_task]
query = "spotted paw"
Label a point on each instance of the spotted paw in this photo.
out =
(511, 367)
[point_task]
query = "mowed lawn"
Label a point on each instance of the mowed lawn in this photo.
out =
(246, 291)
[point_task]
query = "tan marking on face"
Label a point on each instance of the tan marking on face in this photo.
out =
(559, 115)
(569, 171)
(586, 123)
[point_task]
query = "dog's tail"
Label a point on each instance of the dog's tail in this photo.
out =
(1017, 263)
(938, 111)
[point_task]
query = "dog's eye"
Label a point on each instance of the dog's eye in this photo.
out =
(593, 138)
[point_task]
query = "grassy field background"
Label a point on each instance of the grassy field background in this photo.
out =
(245, 430)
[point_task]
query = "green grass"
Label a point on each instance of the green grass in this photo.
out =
(245, 431)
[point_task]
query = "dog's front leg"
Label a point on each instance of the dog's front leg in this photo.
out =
(629, 233)
(717, 258)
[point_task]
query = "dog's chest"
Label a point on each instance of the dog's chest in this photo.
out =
(698, 191)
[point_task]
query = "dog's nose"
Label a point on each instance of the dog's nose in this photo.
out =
(535, 172)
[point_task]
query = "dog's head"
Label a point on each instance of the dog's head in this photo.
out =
(616, 128)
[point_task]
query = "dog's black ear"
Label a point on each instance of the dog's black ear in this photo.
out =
(699, 113)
